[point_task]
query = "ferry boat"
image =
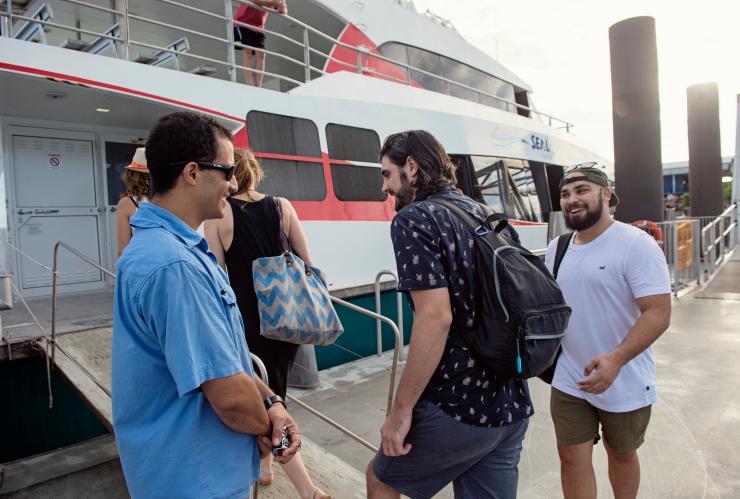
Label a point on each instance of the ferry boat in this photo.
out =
(82, 82)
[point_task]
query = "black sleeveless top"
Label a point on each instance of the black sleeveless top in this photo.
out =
(256, 235)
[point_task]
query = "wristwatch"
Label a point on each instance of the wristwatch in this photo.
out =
(272, 400)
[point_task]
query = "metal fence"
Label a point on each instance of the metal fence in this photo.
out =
(695, 246)
(37, 19)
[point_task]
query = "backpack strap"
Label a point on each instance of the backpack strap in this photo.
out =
(470, 220)
(563, 243)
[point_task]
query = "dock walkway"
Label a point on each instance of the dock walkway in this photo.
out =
(691, 451)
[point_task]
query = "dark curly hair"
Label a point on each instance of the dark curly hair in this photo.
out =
(137, 183)
(436, 170)
(176, 137)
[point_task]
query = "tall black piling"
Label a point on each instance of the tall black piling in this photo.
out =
(636, 118)
(705, 150)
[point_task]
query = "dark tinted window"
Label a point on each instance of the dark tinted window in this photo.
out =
(295, 180)
(283, 135)
(357, 183)
(454, 71)
(397, 52)
(352, 144)
(117, 155)
(431, 63)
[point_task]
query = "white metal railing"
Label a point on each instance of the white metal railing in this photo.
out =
(682, 247)
(718, 238)
(399, 309)
(695, 246)
(49, 343)
(363, 56)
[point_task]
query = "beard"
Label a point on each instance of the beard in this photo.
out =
(405, 194)
(582, 222)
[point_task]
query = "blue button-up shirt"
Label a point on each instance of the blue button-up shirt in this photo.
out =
(176, 326)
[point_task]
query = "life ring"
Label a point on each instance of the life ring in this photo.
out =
(651, 228)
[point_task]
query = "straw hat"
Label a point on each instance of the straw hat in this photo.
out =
(138, 164)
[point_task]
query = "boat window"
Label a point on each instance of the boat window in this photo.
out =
(274, 133)
(507, 186)
(397, 52)
(454, 71)
(355, 182)
(431, 63)
(523, 191)
(295, 180)
(117, 155)
(488, 175)
(297, 139)
(352, 144)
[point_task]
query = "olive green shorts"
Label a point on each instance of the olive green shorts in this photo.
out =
(577, 421)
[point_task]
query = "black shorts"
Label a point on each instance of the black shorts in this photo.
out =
(246, 36)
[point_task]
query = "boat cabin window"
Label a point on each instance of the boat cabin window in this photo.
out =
(353, 181)
(506, 185)
(117, 155)
(294, 168)
(352, 143)
(456, 72)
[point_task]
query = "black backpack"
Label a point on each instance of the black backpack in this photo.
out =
(521, 316)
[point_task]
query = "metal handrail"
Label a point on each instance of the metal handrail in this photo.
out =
(713, 240)
(360, 52)
(54, 280)
(260, 365)
(399, 309)
(396, 347)
(391, 389)
(60, 26)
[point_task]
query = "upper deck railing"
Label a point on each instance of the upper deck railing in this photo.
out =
(37, 19)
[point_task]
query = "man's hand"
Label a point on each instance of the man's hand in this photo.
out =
(600, 373)
(279, 418)
(394, 431)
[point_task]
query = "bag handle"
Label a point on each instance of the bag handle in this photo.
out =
(287, 249)
(285, 244)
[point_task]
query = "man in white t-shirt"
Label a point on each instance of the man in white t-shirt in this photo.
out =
(615, 278)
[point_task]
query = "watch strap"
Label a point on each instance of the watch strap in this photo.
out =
(272, 400)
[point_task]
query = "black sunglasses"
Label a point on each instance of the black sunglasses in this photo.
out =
(580, 166)
(227, 169)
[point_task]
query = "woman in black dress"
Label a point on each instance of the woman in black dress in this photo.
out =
(250, 229)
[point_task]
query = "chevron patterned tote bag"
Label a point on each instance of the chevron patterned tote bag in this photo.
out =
(293, 300)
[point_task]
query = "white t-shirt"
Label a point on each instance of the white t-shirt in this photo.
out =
(600, 281)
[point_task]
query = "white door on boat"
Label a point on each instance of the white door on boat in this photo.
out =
(55, 199)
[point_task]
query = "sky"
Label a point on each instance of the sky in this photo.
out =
(561, 49)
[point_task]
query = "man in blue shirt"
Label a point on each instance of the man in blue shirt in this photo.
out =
(187, 408)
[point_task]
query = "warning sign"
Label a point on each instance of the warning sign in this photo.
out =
(55, 161)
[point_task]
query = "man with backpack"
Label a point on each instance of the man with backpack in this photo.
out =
(616, 279)
(453, 419)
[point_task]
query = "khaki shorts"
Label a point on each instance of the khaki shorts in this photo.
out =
(577, 421)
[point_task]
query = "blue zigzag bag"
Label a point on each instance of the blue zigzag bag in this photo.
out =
(292, 298)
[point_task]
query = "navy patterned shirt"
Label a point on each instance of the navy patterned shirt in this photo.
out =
(433, 250)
